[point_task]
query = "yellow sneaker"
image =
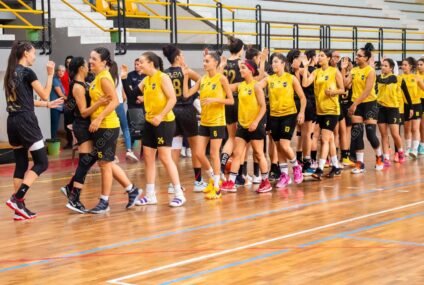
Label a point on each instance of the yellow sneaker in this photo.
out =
(348, 162)
(215, 194)
(209, 188)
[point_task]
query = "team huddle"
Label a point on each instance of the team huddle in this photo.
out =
(242, 100)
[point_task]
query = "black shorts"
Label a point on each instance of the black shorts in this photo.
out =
(417, 112)
(401, 119)
(367, 110)
(231, 112)
(328, 122)
(160, 136)
(422, 104)
(212, 132)
(136, 122)
(344, 113)
(310, 111)
(81, 132)
(282, 127)
(258, 134)
(268, 116)
(387, 115)
(186, 121)
(23, 129)
(104, 143)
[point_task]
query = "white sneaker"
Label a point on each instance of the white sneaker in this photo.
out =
(177, 201)
(171, 189)
(248, 180)
(188, 152)
(199, 186)
(147, 200)
(131, 156)
(256, 179)
(413, 154)
(184, 152)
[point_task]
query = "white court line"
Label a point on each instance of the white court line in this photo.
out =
(212, 255)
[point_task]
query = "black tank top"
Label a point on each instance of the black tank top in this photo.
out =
(232, 72)
(177, 78)
(77, 113)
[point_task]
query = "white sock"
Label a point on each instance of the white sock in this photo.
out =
(210, 173)
(150, 189)
(264, 176)
(360, 156)
(307, 157)
(387, 156)
(129, 188)
(378, 151)
(415, 145)
(408, 144)
(233, 177)
(216, 181)
(321, 164)
(105, 198)
(335, 161)
(178, 191)
(284, 168)
(400, 149)
(294, 162)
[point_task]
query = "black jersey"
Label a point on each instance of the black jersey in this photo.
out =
(177, 78)
(309, 91)
(21, 98)
(134, 79)
(232, 71)
(77, 113)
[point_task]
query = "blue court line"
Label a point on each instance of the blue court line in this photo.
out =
(207, 226)
(345, 234)
(406, 243)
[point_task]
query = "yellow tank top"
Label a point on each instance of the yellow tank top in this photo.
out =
(154, 98)
(213, 115)
(420, 91)
(359, 79)
(281, 95)
(111, 121)
(326, 79)
(412, 85)
(248, 106)
(388, 93)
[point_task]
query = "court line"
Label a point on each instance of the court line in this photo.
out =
(213, 255)
(207, 226)
(379, 240)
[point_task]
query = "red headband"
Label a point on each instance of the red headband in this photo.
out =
(249, 66)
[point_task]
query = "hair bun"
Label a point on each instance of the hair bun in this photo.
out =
(168, 50)
(369, 47)
(219, 52)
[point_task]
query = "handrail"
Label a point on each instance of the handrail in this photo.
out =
(16, 14)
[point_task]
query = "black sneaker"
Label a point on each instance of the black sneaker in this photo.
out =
(334, 172)
(273, 176)
(75, 204)
(318, 173)
(66, 190)
(240, 180)
(18, 205)
(306, 165)
(101, 208)
(133, 196)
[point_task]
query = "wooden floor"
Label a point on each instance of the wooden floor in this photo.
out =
(364, 229)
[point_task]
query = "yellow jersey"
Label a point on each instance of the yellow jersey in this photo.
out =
(111, 121)
(388, 91)
(281, 95)
(412, 85)
(213, 114)
(420, 91)
(154, 98)
(359, 79)
(248, 106)
(326, 79)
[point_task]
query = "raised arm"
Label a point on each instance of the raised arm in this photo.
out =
(44, 92)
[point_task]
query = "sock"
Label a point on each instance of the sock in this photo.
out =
(245, 168)
(387, 156)
(378, 152)
(401, 150)
(216, 181)
(104, 198)
(284, 168)
(335, 161)
(415, 145)
(256, 169)
(345, 154)
(178, 191)
(314, 155)
(210, 173)
(321, 164)
(150, 189)
(198, 174)
(240, 172)
(294, 162)
(233, 176)
(396, 149)
(299, 155)
(264, 176)
(224, 160)
(274, 167)
(306, 158)
(360, 156)
(21, 191)
(129, 188)
(408, 144)
(71, 182)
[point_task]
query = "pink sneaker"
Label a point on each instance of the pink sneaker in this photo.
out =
(283, 181)
(297, 173)
(402, 158)
(386, 163)
(396, 159)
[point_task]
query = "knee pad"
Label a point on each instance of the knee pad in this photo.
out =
(41, 162)
(21, 160)
(357, 136)
(86, 161)
(372, 135)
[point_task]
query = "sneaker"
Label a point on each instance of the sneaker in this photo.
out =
(318, 174)
(359, 168)
(209, 187)
(413, 154)
(309, 172)
(177, 201)
(420, 150)
(171, 189)
(147, 200)
(264, 187)
(402, 157)
(334, 172)
(188, 152)
(314, 164)
(65, 191)
(327, 163)
(256, 179)
(131, 156)
(273, 176)
(18, 217)
(199, 186)
(75, 204)
(297, 174)
(396, 159)
(407, 153)
(215, 194)
(306, 165)
(248, 180)
(229, 186)
(133, 196)
(283, 181)
(348, 162)
(379, 164)
(387, 163)
(240, 181)
(18, 205)
(101, 208)
(183, 152)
